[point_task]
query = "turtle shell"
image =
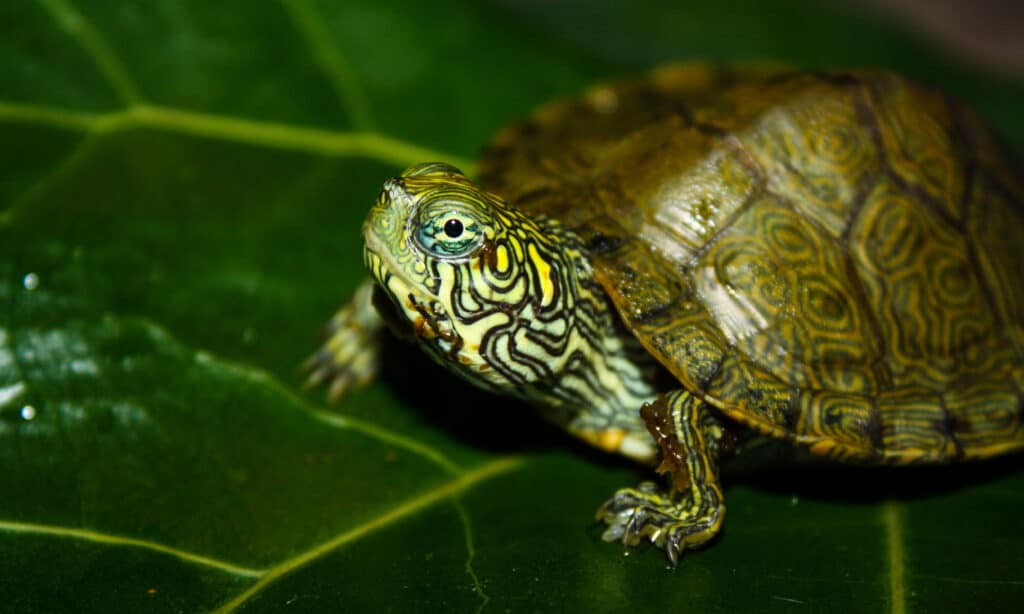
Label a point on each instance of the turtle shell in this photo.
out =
(836, 259)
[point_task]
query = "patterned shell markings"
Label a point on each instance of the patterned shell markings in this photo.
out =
(831, 258)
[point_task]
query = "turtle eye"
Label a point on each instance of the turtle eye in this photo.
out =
(453, 228)
(448, 233)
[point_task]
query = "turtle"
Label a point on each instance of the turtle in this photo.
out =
(674, 266)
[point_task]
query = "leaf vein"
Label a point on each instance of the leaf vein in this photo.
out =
(333, 63)
(283, 136)
(460, 484)
(48, 116)
(117, 540)
(319, 141)
(892, 520)
(343, 422)
(384, 435)
(82, 31)
(470, 554)
(78, 155)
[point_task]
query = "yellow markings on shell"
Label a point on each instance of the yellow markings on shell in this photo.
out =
(993, 450)
(910, 456)
(544, 274)
(822, 447)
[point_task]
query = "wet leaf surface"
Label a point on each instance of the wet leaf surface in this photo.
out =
(181, 189)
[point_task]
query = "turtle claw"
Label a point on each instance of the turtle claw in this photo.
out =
(350, 357)
(673, 549)
(635, 515)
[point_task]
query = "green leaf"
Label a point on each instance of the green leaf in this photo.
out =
(181, 191)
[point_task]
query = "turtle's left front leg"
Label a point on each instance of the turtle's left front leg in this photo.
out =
(350, 357)
(692, 511)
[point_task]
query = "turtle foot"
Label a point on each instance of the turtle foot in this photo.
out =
(635, 515)
(350, 357)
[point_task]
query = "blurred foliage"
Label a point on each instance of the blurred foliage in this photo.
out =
(181, 189)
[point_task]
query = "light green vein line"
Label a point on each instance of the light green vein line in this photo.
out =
(386, 436)
(381, 434)
(331, 61)
(47, 116)
(283, 136)
(464, 482)
(81, 30)
(103, 538)
(77, 156)
(893, 521)
(265, 134)
(470, 554)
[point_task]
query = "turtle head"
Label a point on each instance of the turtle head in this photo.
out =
(507, 301)
(465, 273)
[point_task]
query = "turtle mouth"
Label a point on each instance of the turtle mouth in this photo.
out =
(412, 313)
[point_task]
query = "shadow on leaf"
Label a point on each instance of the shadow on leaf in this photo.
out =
(503, 425)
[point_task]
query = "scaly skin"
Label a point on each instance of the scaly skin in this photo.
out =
(693, 511)
(830, 259)
(350, 357)
(510, 304)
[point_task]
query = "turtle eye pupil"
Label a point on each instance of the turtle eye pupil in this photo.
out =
(453, 228)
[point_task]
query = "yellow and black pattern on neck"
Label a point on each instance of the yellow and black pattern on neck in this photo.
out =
(510, 302)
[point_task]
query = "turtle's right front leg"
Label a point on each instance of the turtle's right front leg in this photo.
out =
(350, 357)
(692, 510)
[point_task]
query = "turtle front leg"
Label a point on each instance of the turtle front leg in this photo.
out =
(692, 510)
(350, 357)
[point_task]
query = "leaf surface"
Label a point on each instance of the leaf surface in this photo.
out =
(181, 190)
